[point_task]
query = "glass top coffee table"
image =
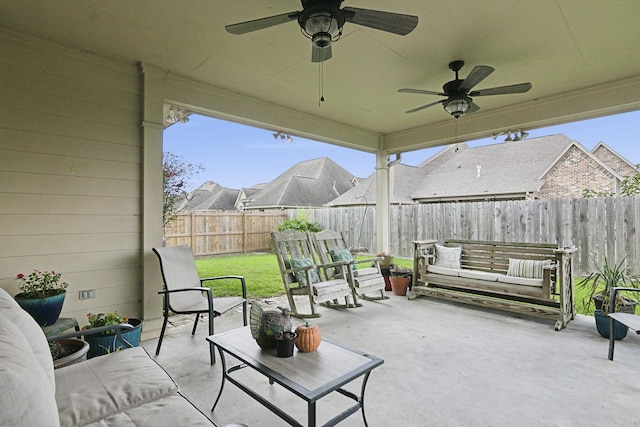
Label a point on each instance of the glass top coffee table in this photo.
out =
(309, 376)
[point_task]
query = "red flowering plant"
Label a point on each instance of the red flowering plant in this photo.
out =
(41, 284)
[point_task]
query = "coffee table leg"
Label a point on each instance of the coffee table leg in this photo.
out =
(224, 376)
(311, 414)
(364, 385)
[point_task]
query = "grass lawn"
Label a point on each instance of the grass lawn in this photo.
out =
(263, 280)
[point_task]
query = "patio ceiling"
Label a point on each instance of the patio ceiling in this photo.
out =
(580, 55)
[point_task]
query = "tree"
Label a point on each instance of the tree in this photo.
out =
(629, 186)
(177, 174)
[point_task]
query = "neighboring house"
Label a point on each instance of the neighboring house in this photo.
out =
(210, 196)
(310, 183)
(548, 167)
(403, 180)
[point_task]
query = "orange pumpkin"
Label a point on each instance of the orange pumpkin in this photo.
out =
(308, 337)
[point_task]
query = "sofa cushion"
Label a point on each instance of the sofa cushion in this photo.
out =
(102, 386)
(527, 268)
(27, 399)
(480, 275)
(441, 270)
(171, 410)
(448, 257)
(520, 281)
(31, 331)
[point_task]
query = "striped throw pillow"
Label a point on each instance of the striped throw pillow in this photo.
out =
(527, 268)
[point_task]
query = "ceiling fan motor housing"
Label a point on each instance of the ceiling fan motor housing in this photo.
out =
(322, 23)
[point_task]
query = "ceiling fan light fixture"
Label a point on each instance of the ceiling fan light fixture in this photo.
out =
(457, 106)
(322, 28)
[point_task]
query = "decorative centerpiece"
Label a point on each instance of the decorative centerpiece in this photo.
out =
(308, 337)
(108, 342)
(42, 295)
(266, 323)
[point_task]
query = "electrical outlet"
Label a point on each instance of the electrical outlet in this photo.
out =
(88, 294)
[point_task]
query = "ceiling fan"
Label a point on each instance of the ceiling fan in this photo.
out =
(459, 94)
(322, 21)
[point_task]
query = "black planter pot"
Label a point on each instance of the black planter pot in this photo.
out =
(603, 326)
(284, 344)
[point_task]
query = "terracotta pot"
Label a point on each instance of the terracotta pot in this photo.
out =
(399, 285)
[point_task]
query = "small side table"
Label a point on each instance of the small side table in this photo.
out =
(63, 324)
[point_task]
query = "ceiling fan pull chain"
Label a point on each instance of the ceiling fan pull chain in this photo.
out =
(321, 82)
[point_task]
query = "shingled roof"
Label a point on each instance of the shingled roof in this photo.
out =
(505, 170)
(210, 196)
(402, 181)
(310, 183)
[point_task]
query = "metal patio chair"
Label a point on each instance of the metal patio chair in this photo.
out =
(331, 247)
(629, 320)
(303, 275)
(184, 292)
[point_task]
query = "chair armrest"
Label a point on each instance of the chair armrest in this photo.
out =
(614, 294)
(240, 278)
(119, 328)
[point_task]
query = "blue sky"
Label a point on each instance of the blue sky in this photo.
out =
(237, 156)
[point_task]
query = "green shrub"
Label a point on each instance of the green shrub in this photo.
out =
(299, 224)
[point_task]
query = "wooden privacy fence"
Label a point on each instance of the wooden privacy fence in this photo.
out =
(223, 232)
(598, 227)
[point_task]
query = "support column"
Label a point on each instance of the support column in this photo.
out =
(152, 130)
(382, 200)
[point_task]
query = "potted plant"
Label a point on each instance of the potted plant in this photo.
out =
(598, 285)
(68, 351)
(386, 264)
(109, 341)
(400, 280)
(42, 295)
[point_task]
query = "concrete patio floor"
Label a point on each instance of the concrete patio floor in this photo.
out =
(445, 364)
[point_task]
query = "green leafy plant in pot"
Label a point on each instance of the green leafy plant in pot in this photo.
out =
(42, 295)
(110, 340)
(598, 287)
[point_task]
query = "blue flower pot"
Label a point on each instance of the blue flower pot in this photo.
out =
(108, 343)
(603, 326)
(45, 311)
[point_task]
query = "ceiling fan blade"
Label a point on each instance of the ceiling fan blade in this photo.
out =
(478, 74)
(396, 23)
(425, 106)
(502, 90)
(473, 107)
(259, 24)
(423, 92)
(320, 54)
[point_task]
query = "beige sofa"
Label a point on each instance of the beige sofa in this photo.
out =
(125, 388)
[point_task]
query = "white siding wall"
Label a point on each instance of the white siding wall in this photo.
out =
(70, 172)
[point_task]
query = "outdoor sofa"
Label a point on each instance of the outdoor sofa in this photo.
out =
(124, 388)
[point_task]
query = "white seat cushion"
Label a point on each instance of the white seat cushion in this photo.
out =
(105, 385)
(520, 281)
(480, 275)
(442, 270)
